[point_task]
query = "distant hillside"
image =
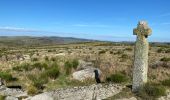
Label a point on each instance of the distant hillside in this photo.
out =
(34, 41)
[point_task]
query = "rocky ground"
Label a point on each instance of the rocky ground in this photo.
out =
(75, 65)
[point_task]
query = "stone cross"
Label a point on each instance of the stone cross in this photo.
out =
(140, 55)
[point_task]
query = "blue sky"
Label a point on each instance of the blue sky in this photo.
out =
(93, 19)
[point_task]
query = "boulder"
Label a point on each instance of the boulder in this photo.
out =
(132, 98)
(11, 98)
(85, 74)
(92, 92)
(42, 97)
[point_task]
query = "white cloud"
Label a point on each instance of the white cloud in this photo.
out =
(17, 29)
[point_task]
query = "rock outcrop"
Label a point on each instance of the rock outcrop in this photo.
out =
(85, 74)
(92, 92)
(12, 93)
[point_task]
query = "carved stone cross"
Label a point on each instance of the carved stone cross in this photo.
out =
(140, 55)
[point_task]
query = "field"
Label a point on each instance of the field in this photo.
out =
(47, 67)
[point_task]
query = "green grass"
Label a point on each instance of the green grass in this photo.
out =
(166, 82)
(70, 65)
(151, 91)
(117, 78)
(2, 97)
(52, 72)
(7, 76)
(38, 81)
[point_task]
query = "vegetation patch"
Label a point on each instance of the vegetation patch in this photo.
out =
(7, 76)
(117, 78)
(70, 65)
(151, 91)
(166, 82)
(165, 59)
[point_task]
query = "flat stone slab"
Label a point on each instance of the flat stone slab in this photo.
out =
(92, 92)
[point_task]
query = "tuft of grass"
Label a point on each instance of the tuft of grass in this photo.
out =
(32, 90)
(39, 66)
(70, 65)
(102, 52)
(165, 59)
(7, 76)
(2, 97)
(117, 78)
(52, 72)
(166, 82)
(34, 59)
(151, 91)
(23, 67)
(38, 81)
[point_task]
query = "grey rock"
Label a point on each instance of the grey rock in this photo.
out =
(92, 92)
(12, 92)
(11, 98)
(132, 98)
(85, 74)
(42, 97)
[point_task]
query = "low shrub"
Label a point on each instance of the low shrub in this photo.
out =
(124, 56)
(53, 59)
(53, 72)
(166, 82)
(165, 59)
(46, 58)
(32, 90)
(160, 50)
(39, 66)
(34, 59)
(2, 97)
(6, 76)
(23, 67)
(38, 81)
(117, 78)
(102, 52)
(128, 49)
(151, 91)
(69, 65)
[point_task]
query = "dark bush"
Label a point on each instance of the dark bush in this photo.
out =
(164, 59)
(150, 91)
(128, 49)
(102, 52)
(117, 78)
(166, 82)
(34, 59)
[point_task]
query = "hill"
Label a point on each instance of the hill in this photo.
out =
(34, 41)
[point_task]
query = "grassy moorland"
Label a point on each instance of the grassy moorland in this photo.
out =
(42, 67)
